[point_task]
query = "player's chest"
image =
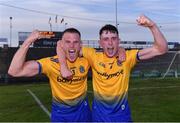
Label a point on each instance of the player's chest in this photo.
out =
(107, 65)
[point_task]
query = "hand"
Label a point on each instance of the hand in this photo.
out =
(145, 21)
(121, 55)
(61, 53)
(60, 45)
(34, 36)
(65, 72)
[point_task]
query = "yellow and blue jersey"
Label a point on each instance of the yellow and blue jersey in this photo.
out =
(110, 81)
(68, 92)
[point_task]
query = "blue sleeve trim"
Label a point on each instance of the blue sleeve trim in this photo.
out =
(137, 56)
(39, 68)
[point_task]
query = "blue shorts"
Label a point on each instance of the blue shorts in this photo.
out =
(64, 113)
(120, 113)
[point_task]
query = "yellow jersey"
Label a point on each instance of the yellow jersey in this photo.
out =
(110, 79)
(68, 92)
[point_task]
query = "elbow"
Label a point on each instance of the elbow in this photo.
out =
(166, 49)
(12, 73)
(163, 50)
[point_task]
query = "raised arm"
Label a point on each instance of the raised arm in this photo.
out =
(18, 66)
(160, 44)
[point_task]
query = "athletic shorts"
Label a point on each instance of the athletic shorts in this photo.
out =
(64, 113)
(100, 113)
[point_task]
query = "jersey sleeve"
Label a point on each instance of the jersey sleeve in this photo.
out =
(132, 57)
(43, 65)
(89, 54)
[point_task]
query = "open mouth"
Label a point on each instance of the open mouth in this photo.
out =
(110, 50)
(72, 54)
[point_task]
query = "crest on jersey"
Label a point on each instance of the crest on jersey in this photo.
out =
(81, 69)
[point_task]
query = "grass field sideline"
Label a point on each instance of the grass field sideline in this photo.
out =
(150, 100)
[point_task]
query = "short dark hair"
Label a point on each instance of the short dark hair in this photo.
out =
(110, 28)
(71, 30)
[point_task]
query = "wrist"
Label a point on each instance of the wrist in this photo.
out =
(153, 25)
(29, 41)
(64, 66)
(26, 44)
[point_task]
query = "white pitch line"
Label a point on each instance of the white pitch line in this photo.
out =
(39, 103)
(146, 88)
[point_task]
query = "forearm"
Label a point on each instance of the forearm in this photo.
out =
(160, 42)
(61, 57)
(121, 55)
(64, 70)
(19, 59)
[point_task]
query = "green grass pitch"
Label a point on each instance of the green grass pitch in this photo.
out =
(152, 100)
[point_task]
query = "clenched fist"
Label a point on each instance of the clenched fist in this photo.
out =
(145, 21)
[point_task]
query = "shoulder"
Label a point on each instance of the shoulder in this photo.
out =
(82, 59)
(48, 59)
(131, 54)
(90, 49)
(131, 51)
(98, 50)
(54, 59)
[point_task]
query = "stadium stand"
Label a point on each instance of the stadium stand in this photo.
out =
(6, 55)
(155, 67)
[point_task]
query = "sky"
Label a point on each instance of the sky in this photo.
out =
(88, 16)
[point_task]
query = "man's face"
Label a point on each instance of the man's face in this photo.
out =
(71, 45)
(109, 41)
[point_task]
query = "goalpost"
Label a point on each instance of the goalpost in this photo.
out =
(170, 65)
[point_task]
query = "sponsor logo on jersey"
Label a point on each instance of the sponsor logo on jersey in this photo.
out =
(109, 76)
(75, 79)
